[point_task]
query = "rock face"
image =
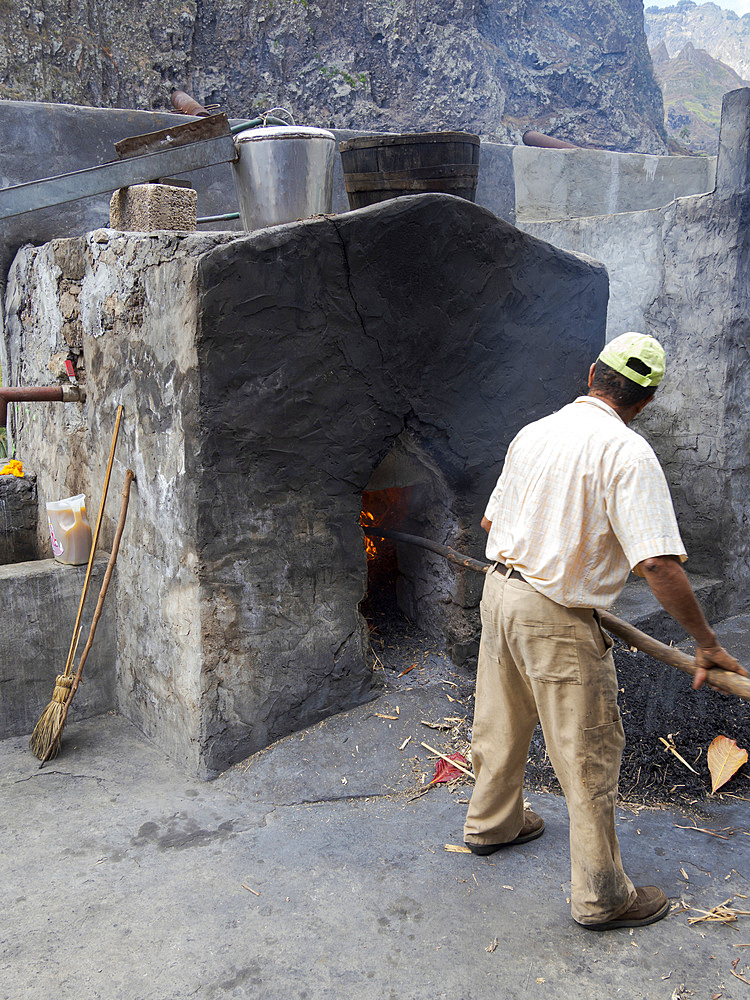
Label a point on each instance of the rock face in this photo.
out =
(577, 70)
(721, 33)
(693, 84)
(265, 380)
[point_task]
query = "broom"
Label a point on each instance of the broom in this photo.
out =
(50, 717)
(55, 738)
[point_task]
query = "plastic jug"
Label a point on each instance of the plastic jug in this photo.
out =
(69, 530)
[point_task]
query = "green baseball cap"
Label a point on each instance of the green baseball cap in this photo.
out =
(641, 348)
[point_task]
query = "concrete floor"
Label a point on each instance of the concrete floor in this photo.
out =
(310, 871)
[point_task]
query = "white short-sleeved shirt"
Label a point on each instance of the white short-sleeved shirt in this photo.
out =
(581, 500)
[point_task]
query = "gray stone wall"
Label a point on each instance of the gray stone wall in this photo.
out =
(555, 184)
(136, 316)
(264, 379)
(39, 604)
(18, 518)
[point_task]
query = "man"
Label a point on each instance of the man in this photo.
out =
(581, 501)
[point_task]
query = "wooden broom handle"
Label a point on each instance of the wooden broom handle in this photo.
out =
(724, 680)
(94, 542)
(129, 477)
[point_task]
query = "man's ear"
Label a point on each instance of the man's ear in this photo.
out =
(591, 373)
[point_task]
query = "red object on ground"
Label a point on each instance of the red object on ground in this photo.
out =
(446, 772)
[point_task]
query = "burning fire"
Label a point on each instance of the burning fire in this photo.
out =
(383, 507)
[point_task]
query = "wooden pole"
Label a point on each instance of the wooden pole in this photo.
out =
(723, 680)
(55, 741)
(92, 553)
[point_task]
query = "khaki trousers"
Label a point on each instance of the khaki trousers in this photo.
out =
(539, 661)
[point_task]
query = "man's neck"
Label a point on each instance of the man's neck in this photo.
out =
(625, 413)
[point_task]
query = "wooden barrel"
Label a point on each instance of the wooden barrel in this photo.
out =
(379, 167)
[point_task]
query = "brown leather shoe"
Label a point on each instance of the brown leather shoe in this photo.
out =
(650, 905)
(533, 827)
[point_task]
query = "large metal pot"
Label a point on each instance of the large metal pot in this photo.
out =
(283, 174)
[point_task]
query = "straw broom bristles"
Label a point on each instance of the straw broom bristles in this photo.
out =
(43, 736)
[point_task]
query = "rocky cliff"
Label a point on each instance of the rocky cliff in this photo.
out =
(693, 84)
(700, 52)
(577, 70)
(721, 33)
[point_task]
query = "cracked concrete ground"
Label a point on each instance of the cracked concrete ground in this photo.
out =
(311, 871)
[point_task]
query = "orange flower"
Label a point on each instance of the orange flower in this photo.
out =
(12, 468)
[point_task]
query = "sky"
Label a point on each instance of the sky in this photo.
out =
(738, 6)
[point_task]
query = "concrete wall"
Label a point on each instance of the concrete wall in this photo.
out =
(38, 140)
(264, 379)
(39, 602)
(630, 246)
(575, 183)
(18, 518)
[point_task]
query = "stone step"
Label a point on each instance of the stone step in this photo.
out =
(638, 606)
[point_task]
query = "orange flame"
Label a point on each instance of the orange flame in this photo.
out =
(383, 507)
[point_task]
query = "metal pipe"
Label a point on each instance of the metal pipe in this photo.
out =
(218, 218)
(532, 138)
(38, 394)
(187, 105)
(262, 122)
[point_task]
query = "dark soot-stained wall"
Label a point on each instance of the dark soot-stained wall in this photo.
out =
(319, 345)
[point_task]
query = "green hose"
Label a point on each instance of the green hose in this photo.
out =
(257, 123)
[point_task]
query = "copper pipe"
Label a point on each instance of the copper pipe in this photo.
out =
(38, 394)
(187, 105)
(532, 138)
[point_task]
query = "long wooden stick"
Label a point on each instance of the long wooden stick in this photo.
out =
(724, 680)
(425, 543)
(94, 542)
(129, 477)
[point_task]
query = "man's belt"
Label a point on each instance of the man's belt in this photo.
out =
(513, 574)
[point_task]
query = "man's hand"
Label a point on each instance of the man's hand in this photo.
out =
(714, 656)
(486, 525)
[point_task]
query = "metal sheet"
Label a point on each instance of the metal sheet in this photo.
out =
(86, 183)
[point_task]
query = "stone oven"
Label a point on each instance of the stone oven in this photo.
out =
(271, 382)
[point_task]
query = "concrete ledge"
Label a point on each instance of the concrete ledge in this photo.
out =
(39, 602)
(637, 605)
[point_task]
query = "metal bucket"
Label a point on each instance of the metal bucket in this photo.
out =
(283, 174)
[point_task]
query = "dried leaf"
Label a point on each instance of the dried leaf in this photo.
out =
(491, 946)
(725, 758)
(457, 849)
(445, 771)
